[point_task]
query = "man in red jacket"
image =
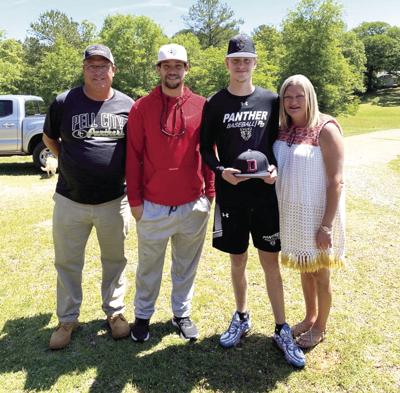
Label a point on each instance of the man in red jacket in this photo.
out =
(169, 189)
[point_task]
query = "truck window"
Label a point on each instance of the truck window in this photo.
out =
(5, 108)
(33, 108)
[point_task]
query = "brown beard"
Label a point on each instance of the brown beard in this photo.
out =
(173, 85)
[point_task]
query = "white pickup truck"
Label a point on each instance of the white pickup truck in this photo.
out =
(21, 127)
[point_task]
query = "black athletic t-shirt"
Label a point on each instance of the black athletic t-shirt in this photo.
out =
(93, 141)
(235, 124)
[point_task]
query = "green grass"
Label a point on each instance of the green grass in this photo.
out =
(360, 354)
(379, 111)
(395, 164)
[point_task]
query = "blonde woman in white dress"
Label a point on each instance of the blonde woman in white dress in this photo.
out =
(310, 155)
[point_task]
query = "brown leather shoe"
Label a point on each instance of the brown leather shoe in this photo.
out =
(61, 337)
(119, 326)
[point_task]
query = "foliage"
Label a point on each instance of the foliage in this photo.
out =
(320, 59)
(354, 53)
(52, 48)
(11, 65)
(312, 41)
(134, 41)
(393, 64)
(52, 26)
(382, 48)
(270, 52)
(208, 73)
(59, 69)
(191, 43)
(212, 22)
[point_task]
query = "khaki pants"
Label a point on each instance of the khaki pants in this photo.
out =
(186, 226)
(72, 224)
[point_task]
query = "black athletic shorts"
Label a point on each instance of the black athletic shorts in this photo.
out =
(232, 226)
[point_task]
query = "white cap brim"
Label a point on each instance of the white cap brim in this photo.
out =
(182, 61)
(241, 54)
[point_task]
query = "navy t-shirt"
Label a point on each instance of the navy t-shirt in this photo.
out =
(93, 141)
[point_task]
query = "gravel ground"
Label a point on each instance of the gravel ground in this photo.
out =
(367, 174)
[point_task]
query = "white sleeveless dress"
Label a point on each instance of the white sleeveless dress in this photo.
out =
(301, 190)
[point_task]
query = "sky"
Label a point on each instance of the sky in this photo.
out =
(17, 15)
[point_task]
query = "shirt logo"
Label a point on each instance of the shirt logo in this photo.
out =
(245, 133)
(103, 125)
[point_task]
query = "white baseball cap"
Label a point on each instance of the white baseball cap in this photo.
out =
(172, 52)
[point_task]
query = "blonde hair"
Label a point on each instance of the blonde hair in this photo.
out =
(312, 112)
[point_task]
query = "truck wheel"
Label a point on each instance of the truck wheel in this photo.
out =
(40, 153)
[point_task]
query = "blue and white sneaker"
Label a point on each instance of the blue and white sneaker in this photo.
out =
(285, 341)
(237, 329)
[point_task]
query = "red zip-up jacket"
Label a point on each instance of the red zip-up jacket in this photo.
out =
(161, 168)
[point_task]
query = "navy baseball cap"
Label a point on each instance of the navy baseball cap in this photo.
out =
(241, 45)
(251, 163)
(98, 50)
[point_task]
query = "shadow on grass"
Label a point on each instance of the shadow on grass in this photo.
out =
(18, 168)
(257, 366)
(384, 97)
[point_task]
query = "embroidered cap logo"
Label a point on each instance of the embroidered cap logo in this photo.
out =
(240, 44)
(172, 51)
(251, 166)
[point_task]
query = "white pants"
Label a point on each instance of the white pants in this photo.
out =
(72, 224)
(186, 226)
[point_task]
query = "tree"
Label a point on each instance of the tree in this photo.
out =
(313, 36)
(191, 43)
(53, 25)
(212, 22)
(382, 48)
(11, 65)
(393, 64)
(354, 52)
(47, 37)
(60, 69)
(208, 74)
(270, 51)
(134, 41)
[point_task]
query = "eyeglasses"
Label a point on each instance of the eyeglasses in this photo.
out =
(95, 67)
(299, 97)
(164, 118)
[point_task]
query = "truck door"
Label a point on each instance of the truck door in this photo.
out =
(8, 126)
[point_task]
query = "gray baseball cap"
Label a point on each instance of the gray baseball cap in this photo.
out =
(98, 50)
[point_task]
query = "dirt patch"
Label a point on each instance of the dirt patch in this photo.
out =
(367, 174)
